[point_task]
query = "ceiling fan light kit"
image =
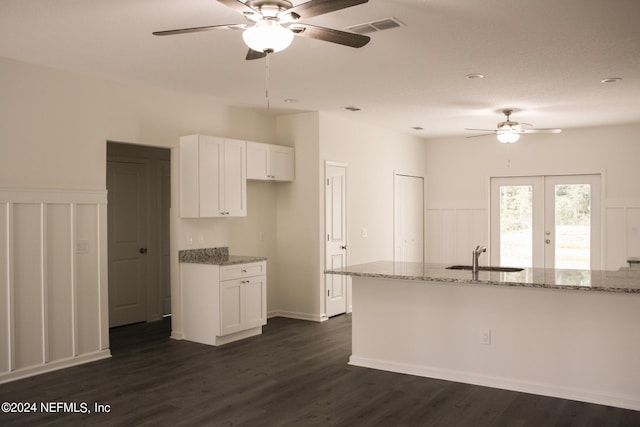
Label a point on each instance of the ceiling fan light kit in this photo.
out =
(507, 136)
(267, 36)
(509, 131)
(273, 24)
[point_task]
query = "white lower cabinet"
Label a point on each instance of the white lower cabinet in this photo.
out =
(222, 304)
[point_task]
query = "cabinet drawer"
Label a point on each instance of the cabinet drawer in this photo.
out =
(238, 271)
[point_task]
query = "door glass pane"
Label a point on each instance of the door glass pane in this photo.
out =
(516, 226)
(573, 226)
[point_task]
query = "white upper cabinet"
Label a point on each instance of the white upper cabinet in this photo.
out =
(212, 177)
(269, 162)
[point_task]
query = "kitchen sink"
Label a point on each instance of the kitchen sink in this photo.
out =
(486, 268)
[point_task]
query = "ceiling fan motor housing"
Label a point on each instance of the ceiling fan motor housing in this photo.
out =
(267, 8)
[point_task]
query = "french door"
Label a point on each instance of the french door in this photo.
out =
(546, 221)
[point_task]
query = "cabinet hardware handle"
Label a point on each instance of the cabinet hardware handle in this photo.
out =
(142, 250)
(343, 247)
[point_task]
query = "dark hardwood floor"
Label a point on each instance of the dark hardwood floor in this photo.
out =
(295, 374)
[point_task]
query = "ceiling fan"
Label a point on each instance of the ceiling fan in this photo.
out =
(273, 23)
(509, 131)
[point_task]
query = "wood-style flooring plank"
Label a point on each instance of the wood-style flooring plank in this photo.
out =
(294, 374)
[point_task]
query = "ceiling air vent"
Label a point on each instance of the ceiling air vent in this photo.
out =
(372, 27)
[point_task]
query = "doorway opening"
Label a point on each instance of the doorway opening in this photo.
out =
(139, 199)
(546, 221)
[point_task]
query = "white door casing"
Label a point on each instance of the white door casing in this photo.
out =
(336, 237)
(408, 218)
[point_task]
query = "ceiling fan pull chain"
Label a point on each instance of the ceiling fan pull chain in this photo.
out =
(267, 81)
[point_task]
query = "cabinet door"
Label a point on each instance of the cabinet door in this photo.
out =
(235, 178)
(255, 298)
(282, 163)
(211, 164)
(257, 161)
(232, 307)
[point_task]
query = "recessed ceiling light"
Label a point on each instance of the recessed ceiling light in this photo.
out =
(474, 76)
(352, 108)
(611, 80)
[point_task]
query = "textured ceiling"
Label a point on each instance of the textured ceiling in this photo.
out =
(543, 58)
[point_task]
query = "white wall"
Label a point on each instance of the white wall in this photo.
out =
(54, 126)
(458, 171)
(298, 219)
(372, 154)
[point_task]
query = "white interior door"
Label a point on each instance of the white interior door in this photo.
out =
(127, 242)
(546, 221)
(336, 237)
(408, 218)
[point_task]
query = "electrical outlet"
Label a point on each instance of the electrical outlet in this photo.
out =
(485, 336)
(364, 233)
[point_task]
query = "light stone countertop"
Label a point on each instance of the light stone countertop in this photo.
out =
(625, 280)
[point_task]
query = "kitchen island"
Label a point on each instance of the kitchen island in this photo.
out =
(564, 333)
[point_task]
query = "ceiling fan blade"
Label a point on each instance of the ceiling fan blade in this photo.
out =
(320, 7)
(482, 130)
(197, 29)
(541, 131)
(238, 6)
(254, 54)
(330, 35)
(484, 134)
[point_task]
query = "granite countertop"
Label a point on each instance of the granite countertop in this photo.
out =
(625, 280)
(215, 256)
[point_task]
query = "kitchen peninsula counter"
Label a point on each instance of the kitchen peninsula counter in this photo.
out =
(563, 333)
(625, 280)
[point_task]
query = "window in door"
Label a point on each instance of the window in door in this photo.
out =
(546, 221)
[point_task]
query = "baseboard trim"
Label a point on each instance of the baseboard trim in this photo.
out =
(544, 389)
(296, 315)
(53, 366)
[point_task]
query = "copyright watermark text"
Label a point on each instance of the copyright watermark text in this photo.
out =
(55, 407)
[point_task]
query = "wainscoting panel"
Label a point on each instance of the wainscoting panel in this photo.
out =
(622, 232)
(59, 281)
(27, 287)
(5, 348)
(633, 232)
(53, 280)
(455, 228)
(454, 231)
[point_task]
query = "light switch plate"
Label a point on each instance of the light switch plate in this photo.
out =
(82, 246)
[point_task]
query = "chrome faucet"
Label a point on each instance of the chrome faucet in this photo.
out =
(476, 254)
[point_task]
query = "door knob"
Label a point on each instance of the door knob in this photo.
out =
(143, 250)
(547, 241)
(343, 247)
